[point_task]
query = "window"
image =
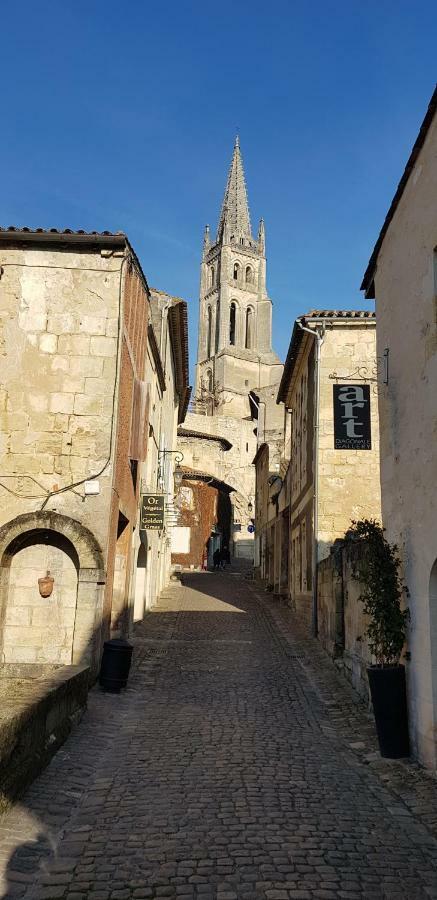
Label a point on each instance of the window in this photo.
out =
(242, 242)
(217, 326)
(236, 271)
(232, 323)
(211, 276)
(249, 275)
(209, 381)
(209, 332)
(249, 328)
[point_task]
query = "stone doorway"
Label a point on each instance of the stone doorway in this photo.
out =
(67, 626)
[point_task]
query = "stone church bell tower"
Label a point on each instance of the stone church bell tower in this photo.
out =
(235, 317)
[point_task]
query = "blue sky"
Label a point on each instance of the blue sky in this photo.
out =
(123, 117)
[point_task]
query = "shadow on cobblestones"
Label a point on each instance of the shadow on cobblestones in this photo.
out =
(236, 765)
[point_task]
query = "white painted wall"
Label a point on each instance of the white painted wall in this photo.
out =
(406, 325)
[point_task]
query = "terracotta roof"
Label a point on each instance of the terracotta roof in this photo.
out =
(24, 232)
(298, 335)
(13, 235)
(338, 314)
(367, 284)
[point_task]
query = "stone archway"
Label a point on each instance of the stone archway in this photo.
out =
(68, 626)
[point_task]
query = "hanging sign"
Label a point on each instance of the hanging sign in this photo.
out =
(352, 417)
(152, 512)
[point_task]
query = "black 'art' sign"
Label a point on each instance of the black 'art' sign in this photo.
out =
(352, 417)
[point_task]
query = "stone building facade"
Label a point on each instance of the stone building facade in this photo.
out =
(235, 359)
(402, 277)
(75, 314)
(167, 376)
(327, 482)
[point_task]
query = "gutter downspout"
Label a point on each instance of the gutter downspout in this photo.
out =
(319, 335)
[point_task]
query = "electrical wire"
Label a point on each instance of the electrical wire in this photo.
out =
(75, 484)
(128, 257)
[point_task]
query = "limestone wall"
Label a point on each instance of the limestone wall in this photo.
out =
(341, 621)
(349, 480)
(58, 339)
(406, 306)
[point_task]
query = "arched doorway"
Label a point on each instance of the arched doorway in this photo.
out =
(140, 584)
(37, 628)
(66, 626)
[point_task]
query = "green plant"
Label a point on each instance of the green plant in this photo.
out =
(378, 572)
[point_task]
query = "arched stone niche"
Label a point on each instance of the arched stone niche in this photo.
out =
(67, 627)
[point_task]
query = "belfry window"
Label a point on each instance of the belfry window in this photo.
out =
(209, 381)
(249, 275)
(249, 328)
(232, 323)
(217, 326)
(236, 271)
(209, 333)
(211, 276)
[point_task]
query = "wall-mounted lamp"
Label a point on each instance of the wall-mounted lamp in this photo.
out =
(250, 506)
(178, 473)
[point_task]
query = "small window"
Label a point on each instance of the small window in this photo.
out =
(249, 275)
(209, 381)
(236, 271)
(217, 326)
(211, 276)
(242, 242)
(232, 323)
(249, 328)
(209, 333)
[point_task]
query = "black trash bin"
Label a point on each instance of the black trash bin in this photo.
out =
(116, 660)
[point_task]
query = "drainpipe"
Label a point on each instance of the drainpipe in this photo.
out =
(319, 335)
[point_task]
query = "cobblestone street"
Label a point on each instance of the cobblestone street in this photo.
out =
(235, 765)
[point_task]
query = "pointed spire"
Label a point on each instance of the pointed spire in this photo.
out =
(206, 240)
(235, 208)
(261, 236)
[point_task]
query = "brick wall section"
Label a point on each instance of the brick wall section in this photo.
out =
(124, 500)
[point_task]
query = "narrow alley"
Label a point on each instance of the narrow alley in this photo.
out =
(235, 765)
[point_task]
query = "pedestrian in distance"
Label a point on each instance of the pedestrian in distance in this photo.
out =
(222, 558)
(216, 558)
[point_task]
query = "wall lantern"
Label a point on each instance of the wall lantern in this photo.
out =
(178, 473)
(250, 506)
(178, 476)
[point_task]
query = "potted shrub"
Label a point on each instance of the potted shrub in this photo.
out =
(378, 573)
